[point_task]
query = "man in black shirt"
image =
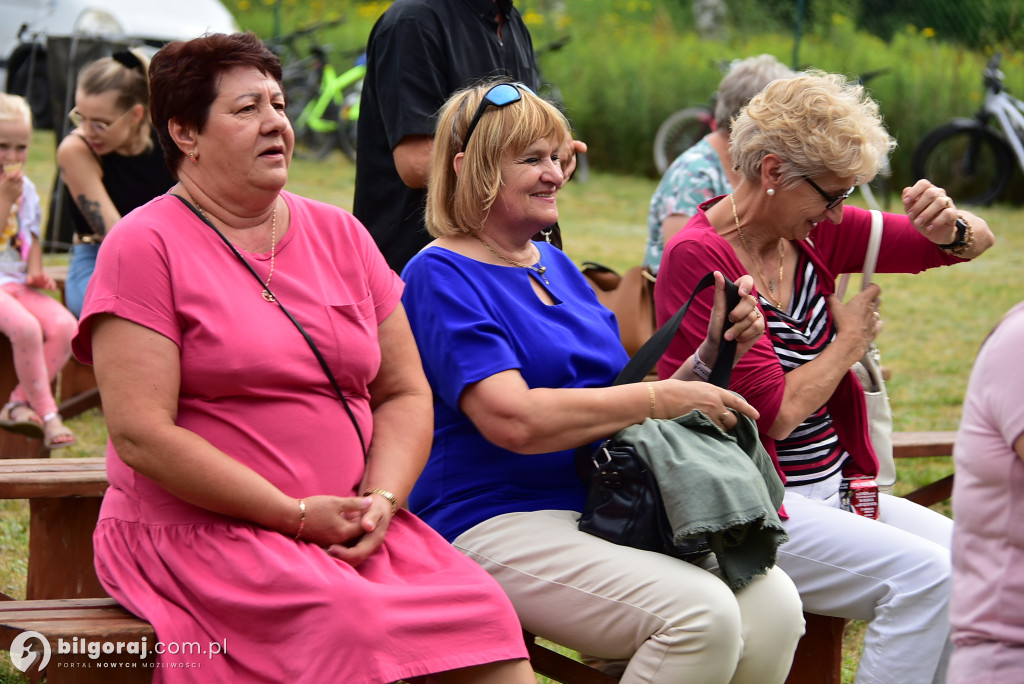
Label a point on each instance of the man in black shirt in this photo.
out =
(419, 53)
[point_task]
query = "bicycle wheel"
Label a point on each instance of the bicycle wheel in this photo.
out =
(679, 132)
(970, 161)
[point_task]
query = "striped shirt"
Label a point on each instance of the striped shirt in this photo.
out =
(811, 453)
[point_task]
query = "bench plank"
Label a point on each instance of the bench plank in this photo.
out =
(90, 619)
(31, 478)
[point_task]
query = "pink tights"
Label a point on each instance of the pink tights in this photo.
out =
(40, 330)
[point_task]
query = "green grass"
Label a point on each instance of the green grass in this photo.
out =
(934, 322)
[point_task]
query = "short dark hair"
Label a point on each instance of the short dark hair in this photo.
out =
(183, 80)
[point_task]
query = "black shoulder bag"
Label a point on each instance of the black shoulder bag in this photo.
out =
(624, 505)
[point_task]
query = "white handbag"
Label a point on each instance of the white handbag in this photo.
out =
(869, 372)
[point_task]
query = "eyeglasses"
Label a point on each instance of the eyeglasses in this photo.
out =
(832, 201)
(99, 126)
(501, 95)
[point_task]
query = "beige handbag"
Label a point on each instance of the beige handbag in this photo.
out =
(869, 372)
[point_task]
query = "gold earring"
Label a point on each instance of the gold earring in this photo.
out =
(192, 157)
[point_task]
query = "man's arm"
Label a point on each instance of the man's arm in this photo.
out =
(412, 159)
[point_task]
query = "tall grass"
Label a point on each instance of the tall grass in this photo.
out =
(632, 63)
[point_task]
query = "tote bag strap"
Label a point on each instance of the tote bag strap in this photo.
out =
(870, 257)
(647, 356)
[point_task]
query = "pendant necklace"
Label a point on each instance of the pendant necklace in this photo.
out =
(539, 269)
(273, 248)
(757, 262)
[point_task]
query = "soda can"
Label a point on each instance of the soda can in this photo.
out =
(859, 494)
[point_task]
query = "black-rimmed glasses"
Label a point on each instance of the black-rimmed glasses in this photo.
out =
(501, 95)
(99, 126)
(833, 201)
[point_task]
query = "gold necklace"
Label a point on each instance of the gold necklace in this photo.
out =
(757, 262)
(273, 248)
(539, 269)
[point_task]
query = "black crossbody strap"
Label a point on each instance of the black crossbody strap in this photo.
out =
(647, 356)
(305, 335)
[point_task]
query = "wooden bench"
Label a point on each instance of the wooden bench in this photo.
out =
(64, 497)
(819, 656)
(94, 620)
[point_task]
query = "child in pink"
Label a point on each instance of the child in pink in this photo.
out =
(39, 327)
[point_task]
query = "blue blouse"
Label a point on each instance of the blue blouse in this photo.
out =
(472, 320)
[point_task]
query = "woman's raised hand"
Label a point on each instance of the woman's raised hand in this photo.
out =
(931, 211)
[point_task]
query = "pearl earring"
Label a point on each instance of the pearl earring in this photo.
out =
(771, 191)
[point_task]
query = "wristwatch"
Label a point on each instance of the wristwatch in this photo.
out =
(960, 240)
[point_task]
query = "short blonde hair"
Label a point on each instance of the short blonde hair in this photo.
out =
(15, 108)
(817, 123)
(460, 203)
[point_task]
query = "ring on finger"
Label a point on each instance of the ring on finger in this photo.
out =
(877, 315)
(724, 415)
(949, 202)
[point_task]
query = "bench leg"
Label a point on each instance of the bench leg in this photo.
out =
(60, 564)
(819, 655)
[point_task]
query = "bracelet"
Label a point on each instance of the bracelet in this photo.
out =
(386, 494)
(702, 369)
(302, 519)
(650, 391)
(964, 240)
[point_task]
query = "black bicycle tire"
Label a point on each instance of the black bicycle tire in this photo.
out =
(939, 158)
(679, 132)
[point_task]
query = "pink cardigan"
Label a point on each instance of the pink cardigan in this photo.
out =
(758, 376)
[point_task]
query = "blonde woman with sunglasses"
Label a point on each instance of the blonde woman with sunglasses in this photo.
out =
(520, 355)
(111, 162)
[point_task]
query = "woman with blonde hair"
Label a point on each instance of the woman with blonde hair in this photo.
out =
(801, 146)
(520, 356)
(111, 162)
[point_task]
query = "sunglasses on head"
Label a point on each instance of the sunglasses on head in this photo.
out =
(833, 201)
(501, 95)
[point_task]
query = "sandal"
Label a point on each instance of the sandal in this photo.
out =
(18, 417)
(53, 430)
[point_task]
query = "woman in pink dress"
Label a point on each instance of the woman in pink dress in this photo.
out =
(256, 503)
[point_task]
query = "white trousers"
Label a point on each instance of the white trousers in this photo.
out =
(674, 621)
(893, 572)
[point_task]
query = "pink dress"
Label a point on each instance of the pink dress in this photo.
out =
(283, 611)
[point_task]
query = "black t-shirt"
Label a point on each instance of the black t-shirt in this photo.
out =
(419, 53)
(129, 181)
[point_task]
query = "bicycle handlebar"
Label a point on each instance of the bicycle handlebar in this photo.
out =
(993, 76)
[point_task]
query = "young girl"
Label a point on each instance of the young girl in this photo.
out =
(39, 327)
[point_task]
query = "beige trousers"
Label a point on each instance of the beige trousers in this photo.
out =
(674, 621)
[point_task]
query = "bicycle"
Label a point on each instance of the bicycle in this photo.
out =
(322, 102)
(685, 127)
(970, 158)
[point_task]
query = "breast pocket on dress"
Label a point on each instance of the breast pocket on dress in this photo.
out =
(355, 356)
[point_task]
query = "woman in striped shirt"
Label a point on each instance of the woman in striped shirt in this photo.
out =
(801, 146)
